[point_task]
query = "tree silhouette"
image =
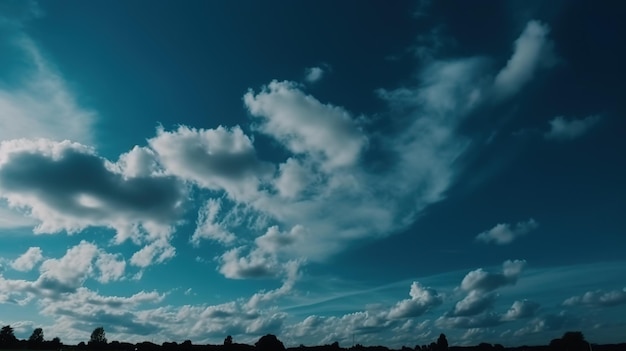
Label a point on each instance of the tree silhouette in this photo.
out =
(269, 342)
(36, 337)
(98, 337)
(574, 341)
(7, 337)
(442, 343)
(228, 340)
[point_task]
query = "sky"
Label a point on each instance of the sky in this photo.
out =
(354, 171)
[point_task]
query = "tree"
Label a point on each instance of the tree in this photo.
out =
(55, 343)
(574, 341)
(269, 342)
(98, 337)
(7, 337)
(36, 337)
(228, 340)
(442, 343)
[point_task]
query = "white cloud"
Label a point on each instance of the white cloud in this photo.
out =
(304, 125)
(563, 129)
(217, 159)
(40, 105)
(598, 298)
(274, 241)
(207, 226)
(13, 218)
(313, 74)
(138, 162)
(468, 322)
(333, 167)
(157, 251)
(111, 267)
(256, 264)
(488, 281)
(505, 233)
(293, 179)
(546, 322)
(28, 260)
(475, 302)
(70, 271)
(291, 275)
(473, 310)
(521, 309)
(532, 51)
(67, 187)
(422, 299)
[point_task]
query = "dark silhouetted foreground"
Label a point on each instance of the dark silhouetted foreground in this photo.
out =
(570, 341)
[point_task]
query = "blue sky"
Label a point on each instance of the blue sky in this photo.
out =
(325, 171)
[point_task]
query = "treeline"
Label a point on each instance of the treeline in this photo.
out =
(570, 341)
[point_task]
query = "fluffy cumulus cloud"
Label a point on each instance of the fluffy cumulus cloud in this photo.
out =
(484, 281)
(58, 276)
(28, 259)
(475, 310)
(563, 129)
(256, 264)
(532, 50)
(313, 74)
(111, 267)
(217, 159)
(69, 272)
(521, 309)
(421, 300)
(67, 187)
(304, 125)
(505, 233)
(474, 303)
(598, 298)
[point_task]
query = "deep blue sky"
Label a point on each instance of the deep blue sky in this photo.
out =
(190, 171)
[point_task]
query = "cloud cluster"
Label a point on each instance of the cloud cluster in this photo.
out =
(421, 300)
(598, 298)
(331, 188)
(63, 275)
(473, 310)
(505, 233)
(67, 187)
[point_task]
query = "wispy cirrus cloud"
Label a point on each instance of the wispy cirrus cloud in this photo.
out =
(532, 51)
(40, 103)
(563, 129)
